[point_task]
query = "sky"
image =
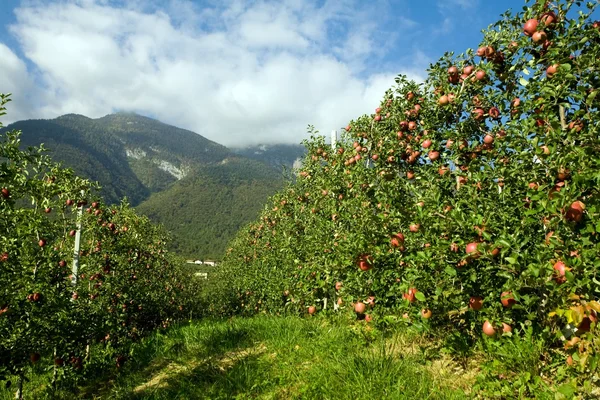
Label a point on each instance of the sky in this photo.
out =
(236, 72)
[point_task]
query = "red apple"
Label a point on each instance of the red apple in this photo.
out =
(475, 303)
(575, 211)
(410, 295)
(360, 307)
(365, 262)
(472, 249)
(494, 113)
(539, 37)
(548, 18)
(530, 27)
(561, 269)
(551, 70)
(488, 329)
(507, 299)
(478, 114)
(397, 240)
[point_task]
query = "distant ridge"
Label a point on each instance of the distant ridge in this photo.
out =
(198, 189)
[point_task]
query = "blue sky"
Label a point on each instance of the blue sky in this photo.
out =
(237, 72)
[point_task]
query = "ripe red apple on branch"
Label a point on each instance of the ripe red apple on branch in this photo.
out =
(530, 27)
(507, 299)
(365, 262)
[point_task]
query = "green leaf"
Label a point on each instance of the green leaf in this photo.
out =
(523, 81)
(420, 296)
(567, 390)
(504, 243)
(591, 97)
(511, 260)
(450, 271)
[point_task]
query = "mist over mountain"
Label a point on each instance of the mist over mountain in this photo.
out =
(275, 155)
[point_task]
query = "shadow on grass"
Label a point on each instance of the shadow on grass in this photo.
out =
(178, 351)
(216, 361)
(213, 379)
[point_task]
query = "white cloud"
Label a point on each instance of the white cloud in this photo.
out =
(463, 4)
(237, 73)
(446, 26)
(16, 80)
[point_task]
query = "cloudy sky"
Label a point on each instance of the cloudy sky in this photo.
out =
(236, 72)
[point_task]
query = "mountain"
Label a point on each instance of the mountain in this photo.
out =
(128, 154)
(199, 190)
(205, 210)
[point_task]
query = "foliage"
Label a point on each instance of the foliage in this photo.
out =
(203, 212)
(127, 283)
(274, 357)
(472, 196)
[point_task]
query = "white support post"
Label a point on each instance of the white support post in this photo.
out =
(75, 269)
(333, 139)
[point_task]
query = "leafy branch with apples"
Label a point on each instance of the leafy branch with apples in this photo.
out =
(465, 205)
(127, 283)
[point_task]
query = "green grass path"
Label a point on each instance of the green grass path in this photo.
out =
(271, 358)
(278, 358)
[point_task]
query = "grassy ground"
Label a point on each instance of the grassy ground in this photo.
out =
(319, 358)
(279, 358)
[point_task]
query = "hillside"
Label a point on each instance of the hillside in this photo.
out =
(200, 190)
(128, 154)
(205, 210)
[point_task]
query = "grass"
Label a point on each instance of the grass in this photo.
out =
(277, 358)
